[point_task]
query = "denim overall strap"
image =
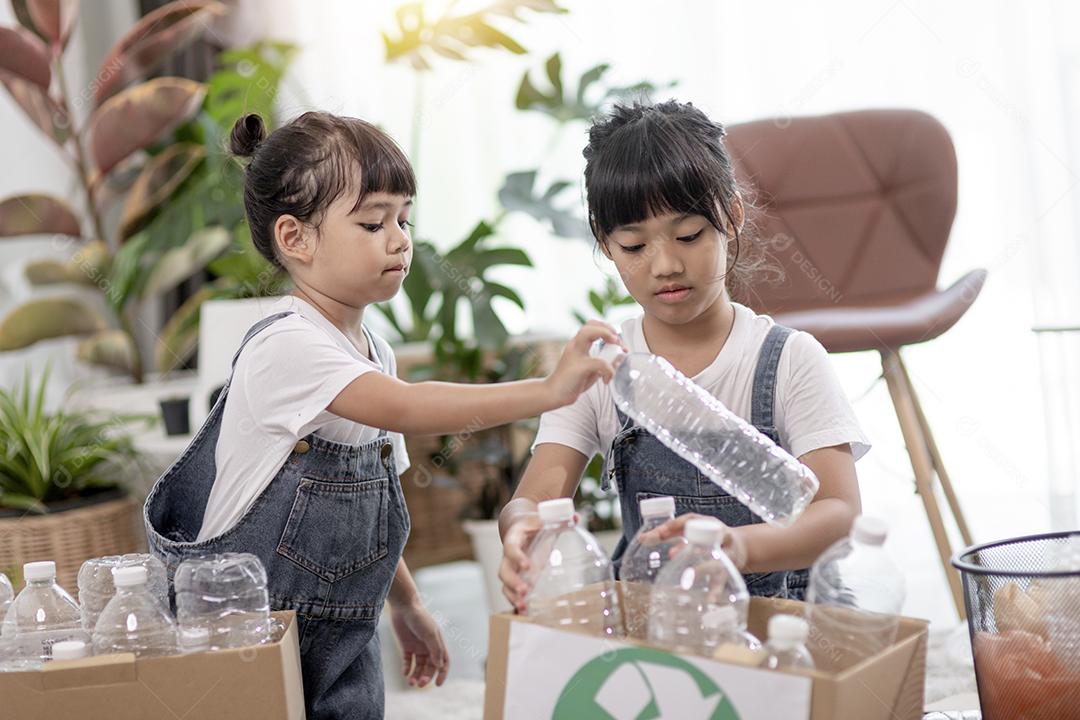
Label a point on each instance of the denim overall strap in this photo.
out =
(330, 528)
(643, 467)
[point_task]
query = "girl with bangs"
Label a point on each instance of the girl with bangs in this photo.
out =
(299, 460)
(664, 207)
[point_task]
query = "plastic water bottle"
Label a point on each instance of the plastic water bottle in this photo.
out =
(699, 428)
(570, 578)
(697, 582)
(723, 623)
(70, 650)
(96, 582)
(227, 595)
(786, 646)
(642, 560)
(7, 594)
(135, 620)
(41, 615)
(854, 597)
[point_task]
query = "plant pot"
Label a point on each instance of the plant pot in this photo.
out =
(174, 411)
(487, 547)
(107, 523)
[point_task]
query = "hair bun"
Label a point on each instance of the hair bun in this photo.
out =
(247, 132)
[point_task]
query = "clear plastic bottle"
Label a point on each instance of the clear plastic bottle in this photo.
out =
(70, 650)
(226, 594)
(642, 560)
(135, 620)
(570, 576)
(698, 581)
(786, 646)
(699, 428)
(7, 594)
(96, 582)
(41, 615)
(723, 623)
(854, 597)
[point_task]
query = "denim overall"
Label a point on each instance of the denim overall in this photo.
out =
(644, 467)
(330, 528)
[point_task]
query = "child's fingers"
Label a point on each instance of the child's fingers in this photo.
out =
(595, 330)
(406, 663)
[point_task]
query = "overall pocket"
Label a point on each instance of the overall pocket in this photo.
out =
(337, 528)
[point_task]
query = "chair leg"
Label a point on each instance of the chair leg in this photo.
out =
(935, 457)
(922, 464)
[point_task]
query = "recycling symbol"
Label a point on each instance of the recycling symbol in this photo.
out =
(642, 684)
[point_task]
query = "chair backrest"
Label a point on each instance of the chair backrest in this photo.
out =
(856, 207)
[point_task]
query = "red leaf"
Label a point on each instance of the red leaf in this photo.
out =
(151, 41)
(52, 18)
(22, 54)
(140, 115)
(37, 215)
(42, 109)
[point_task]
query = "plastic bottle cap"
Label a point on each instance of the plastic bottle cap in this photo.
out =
(43, 570)
(720, 617)
(69, 650)
(869, 530)
(129, 576)
(652, 507)
(704, 531)
(788, 630)
(555, 511)
(606, 351)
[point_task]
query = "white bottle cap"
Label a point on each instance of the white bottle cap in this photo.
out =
(869, 530)
(556, 511)
(657, 506)
(129, 576)
(704, 531)
(606, 351)
(723, 617)
(787, 631)
(43, 570)
(194, 637)
(69, 650)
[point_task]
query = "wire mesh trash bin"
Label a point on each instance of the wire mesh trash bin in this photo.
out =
(1023, 607)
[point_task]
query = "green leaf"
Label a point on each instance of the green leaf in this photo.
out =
(418, 38)
(47, 318)
(180, 263)
(517, 195)
(596, 301)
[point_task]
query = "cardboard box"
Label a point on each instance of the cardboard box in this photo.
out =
(535, 671)
(261, 682)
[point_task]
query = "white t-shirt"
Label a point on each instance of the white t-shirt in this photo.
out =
(811, 409)
(284, 380)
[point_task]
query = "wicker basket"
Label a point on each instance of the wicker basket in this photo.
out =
(70, 537)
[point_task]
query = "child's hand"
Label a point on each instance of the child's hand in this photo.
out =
(423, 650)
(732, 542)
(576, 371)
(515, 561)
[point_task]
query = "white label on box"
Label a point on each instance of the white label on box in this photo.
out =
(566, 676)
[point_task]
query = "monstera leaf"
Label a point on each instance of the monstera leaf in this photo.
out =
(452, 36)
(576, 106)
(518, 194)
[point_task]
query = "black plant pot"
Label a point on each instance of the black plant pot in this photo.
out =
(175, 413)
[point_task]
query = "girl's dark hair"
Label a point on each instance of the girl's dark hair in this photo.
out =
(649, 159)
(306, 164)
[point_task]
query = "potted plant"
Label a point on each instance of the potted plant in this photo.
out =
(62, 489)
(115, 144)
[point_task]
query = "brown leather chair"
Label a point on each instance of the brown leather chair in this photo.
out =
(857, 208)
